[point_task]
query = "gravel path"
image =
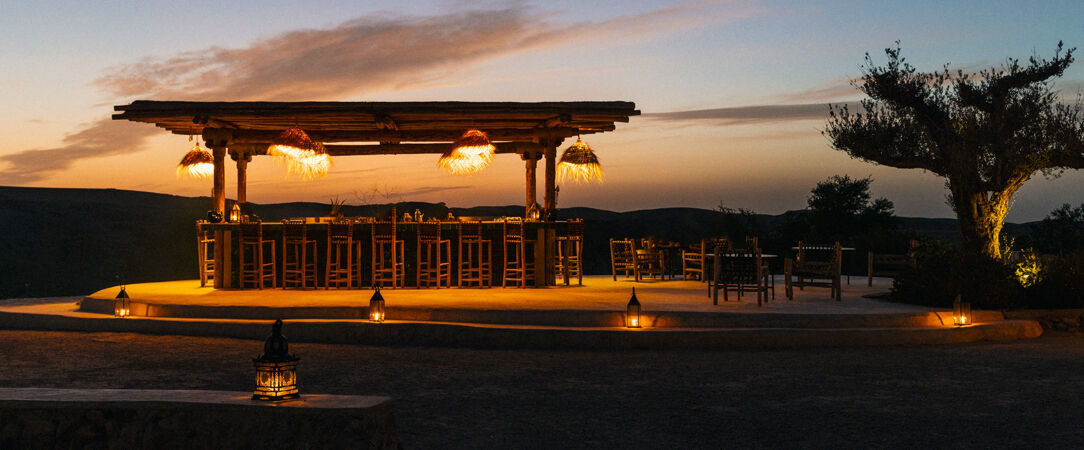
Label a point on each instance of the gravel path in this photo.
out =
(1018, 394)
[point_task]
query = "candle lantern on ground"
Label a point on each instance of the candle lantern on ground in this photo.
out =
(376, 307)
(961, 312)
(122, 305)
(632, 313)
(276, 369)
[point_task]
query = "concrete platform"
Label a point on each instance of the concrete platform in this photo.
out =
(677, 314)
(600, 302)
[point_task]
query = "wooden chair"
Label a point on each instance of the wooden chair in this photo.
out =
(650, 261)
(738, 271)
(341, 256)
(434, 256)
(888, 265)
(475, 256)
(816, 265)
(569, 252)
(388, 255)
(257, 268)
(205, 252)
(753, 243)
(692, 262)
(623, 257)
(298, 255)
(517, 268)
(696, 262)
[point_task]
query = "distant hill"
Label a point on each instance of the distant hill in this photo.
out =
(75, 241)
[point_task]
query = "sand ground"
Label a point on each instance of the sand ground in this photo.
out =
(992, 395)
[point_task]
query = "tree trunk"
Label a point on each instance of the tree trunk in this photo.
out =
(981, 216)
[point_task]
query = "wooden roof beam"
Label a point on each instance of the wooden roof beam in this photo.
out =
(518, 135)
(392, 149)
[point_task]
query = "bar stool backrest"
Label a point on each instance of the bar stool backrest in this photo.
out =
(429, 231)
(251, 231)
(293, 229)
(575, 229)
(340, 231)
(513, 229)
(384, 230)
(470, 230)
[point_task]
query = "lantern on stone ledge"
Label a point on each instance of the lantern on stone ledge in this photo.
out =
(376, 307)
(122, 305)
(276, 369)
(961, 312)
(632, 313)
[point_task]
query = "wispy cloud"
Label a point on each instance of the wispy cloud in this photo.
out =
(831, 91)
(747, 115)
(387, 54)
(433, 189)
(103, 138)
(377, 53)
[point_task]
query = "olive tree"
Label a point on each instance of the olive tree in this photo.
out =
(985, 133)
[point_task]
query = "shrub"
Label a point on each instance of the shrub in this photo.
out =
(1060, 284)
(1029, 281)
(942, 271)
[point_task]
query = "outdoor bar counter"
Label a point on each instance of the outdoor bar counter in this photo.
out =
(226, 248)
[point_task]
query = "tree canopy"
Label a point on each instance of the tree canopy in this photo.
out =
(986, 133)
(842, 207)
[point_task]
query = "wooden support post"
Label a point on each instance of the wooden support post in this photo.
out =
(531, 159)
(218, 193)
(242, 175)
(547, 235)
(550, 149)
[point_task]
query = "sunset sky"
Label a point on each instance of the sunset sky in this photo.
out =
(733, 94)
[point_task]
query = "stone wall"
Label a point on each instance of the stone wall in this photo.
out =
(110, 418)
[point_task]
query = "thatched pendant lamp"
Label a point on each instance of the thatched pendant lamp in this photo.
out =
(472, 152)
(300, 154)
(579, 163)
(197, 163)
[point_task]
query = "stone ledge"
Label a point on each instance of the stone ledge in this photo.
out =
(123, 418)
(492, 336)
(1052, 319)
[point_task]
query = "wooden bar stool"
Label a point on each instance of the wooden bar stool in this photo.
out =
(434, 256)
(298, 255)
(475, 256)
(569, 251)
(205, 252)
(388, 268)
(257, 268)
(518, 269)
(341, 251)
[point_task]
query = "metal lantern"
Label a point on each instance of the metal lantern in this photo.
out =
(122, 305)
(376, 307)
(632, 314)
(276, 369)
(235, 213)
(961, 312)
(534, 211)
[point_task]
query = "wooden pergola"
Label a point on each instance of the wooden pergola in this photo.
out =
(244, 129)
